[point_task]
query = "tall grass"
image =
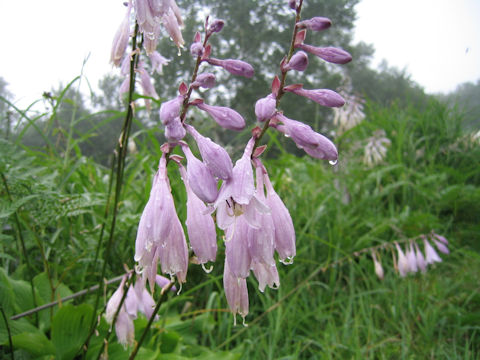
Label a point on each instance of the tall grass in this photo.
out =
(330, 304)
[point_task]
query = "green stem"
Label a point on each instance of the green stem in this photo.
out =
(22, 242)
(160, 301)
(8, 332)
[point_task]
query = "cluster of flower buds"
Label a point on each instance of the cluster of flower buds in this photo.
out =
(411, 259)
(149, 15)
(376, 148)
(137, 299)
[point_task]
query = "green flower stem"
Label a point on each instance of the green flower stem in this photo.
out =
(10, 343)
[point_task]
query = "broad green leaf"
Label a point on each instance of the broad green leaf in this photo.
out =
(36, 343)
(16, 327)
(7, 296)
(70, 327)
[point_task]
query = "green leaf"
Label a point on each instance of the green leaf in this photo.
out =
(70, 328)
(36, 343)
(16, 327)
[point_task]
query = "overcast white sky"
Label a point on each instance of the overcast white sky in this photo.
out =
(45, 42)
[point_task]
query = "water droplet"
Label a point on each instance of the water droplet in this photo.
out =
(333, 162)
(138, 269)
(287, 261)
(164, 245)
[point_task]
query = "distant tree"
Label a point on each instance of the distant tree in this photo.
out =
(7, 115)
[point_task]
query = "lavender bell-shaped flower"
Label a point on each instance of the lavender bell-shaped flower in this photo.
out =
(224, 116)
(236, 248)
(266, 275)
(265, 108)
(377, 266)
(200, 226)
(158, 61)
(174, 130)
(403, 264)
(233, 66)
(120, 41)
(324, 97)
(283, 224)
(213, 155)
(124, 325)
(412, 259)
(236, 293)
(199, 177)
(430, 253)
(440, 243)
(421, 263)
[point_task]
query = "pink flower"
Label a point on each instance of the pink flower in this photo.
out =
(316, 24)
(233, 66)
(403, 264)
(324, 97)
(266, 275)
(120, 41)
(430, 253)
(224, 116)
(299, 62)
(265, 108)
(236, 293)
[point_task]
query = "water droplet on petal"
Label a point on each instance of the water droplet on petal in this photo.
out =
(333, 162)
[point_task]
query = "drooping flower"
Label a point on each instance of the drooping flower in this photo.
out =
(267, 275)
(412, 259)
(377, 266)
(403, 264)
(236, 293)
(213, 155)
(199, 177)
(120, 41)
(158, 61)
(421, 263)
(236, 248)
(169, 110)
(430, 253)
(376, 148)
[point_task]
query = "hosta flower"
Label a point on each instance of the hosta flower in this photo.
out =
(267, 275)
(412, 259)
(430, 253)
(421, 263)
(120, 41)
(158, 61)
(376, 148)
(199, 177)
(204, 80)
(169, 110)
(213, 155)
(174, 130)
(236, 293)
(236, 248)
(403, 264)
(349, 115)
(224, 116)
(377, 266)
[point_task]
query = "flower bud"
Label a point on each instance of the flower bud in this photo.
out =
(204, 80)
(174, 130)
(235, 67)
(224, 116)
(216, 26)
(330, 54)
(324, 97)
(196, 49)
(265, 108)
(316, 24)
(120, 41)
(169, 110)
(299, 62)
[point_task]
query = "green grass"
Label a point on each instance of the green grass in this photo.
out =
(330, 304)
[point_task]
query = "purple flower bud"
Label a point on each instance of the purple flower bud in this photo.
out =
(430, 253)
(146, 83)
(224, 116)
(324, 97)
(324, 150)
(316, 24)
(330, 54)
(214, 156)
(265, 108)
(125, 329)
(266, 275)
(236, 293)
(441, 247)
(284, 230)
(204, 80)
(162, 281)
(292, 4)
(440, 238)
(114, 301)
(169, 110)
(216, 26)
(299, 62)
(200, 226)
(301, 133)
(235, 67)
(174, 130)
(199, 177)
(196, 49)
